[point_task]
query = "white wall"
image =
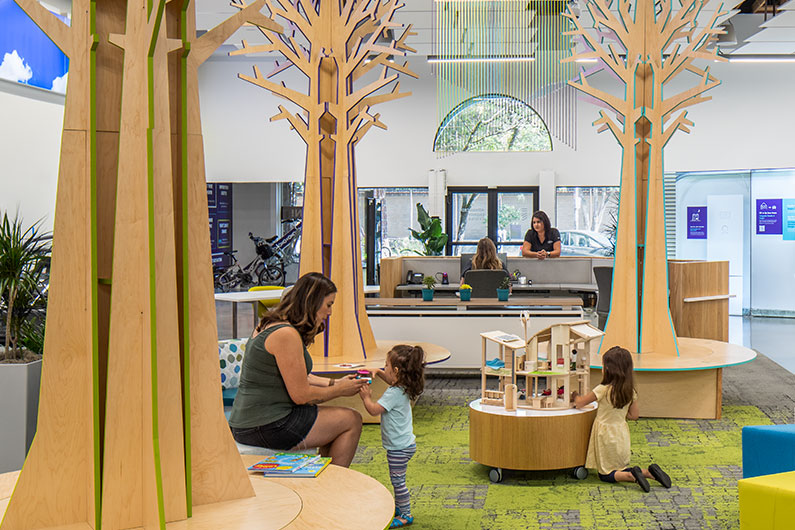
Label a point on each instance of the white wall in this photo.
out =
(254, 209)
(748, 124)
(30, 144)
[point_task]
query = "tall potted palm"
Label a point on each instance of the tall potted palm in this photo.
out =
(24, 262)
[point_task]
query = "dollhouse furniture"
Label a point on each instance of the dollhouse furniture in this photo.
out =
(768, 449)
(511, 431)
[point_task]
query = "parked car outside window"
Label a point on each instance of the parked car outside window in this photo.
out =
(584, 243)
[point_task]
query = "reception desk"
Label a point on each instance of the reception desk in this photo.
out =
(457, 325)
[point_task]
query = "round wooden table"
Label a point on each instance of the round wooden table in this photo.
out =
(529, 440)
(337, 499)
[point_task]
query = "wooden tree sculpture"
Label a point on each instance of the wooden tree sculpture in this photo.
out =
(647, 51)
(335, 45)
(131, 431)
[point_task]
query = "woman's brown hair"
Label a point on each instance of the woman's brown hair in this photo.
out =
(617, 372)
(542, 216)
(486, 255)
(299, 306)
(409, 363)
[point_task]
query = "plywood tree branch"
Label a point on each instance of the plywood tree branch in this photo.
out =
(645, 50)
(345, 49)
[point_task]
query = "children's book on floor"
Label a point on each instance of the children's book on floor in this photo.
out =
(291, 465)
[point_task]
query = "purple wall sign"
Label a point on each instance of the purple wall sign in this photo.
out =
(768, 217)
(696, 222)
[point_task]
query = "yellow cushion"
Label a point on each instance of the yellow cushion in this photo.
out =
(767, 502)
(265, 304)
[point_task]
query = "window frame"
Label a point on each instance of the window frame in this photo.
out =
(492, 215)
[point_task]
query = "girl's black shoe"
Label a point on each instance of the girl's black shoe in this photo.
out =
(660, 475)
(640, 479)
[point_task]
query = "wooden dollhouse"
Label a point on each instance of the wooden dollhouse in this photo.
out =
(553, 362)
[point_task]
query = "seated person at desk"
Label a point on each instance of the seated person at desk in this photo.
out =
(541, 241)
(485, 258)
(276, 403)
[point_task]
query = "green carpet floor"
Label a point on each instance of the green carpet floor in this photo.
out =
(703, 458)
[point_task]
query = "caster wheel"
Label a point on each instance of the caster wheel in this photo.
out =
(580, 473)
(495, 475)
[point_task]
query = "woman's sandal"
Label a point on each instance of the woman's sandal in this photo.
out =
(401, 521)
(640, 479)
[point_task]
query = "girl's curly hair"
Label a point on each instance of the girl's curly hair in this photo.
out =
(409, 363)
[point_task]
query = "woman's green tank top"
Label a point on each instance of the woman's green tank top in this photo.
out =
(262, 396)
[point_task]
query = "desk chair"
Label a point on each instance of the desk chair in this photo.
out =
(265, 304)
(604, 282)
(484, 282)
(466, 259)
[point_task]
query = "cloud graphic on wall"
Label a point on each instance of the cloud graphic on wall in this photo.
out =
(14, 68)
(59, 83)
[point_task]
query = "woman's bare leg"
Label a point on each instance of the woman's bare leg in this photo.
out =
(336, 433)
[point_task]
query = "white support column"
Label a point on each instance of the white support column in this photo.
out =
(546, 193)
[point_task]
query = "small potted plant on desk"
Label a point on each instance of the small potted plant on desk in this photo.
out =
(427, 292)
(504, 289)
(465, 291)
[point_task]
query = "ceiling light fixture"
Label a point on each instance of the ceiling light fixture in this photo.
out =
(508, 59)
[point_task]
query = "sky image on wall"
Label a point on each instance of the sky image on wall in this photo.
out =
(27, 55)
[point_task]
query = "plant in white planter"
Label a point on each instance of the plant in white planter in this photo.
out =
(24, 261)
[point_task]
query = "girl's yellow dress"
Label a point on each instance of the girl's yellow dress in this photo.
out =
(609, 446)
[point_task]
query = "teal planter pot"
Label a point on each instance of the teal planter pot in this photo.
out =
(466, 294)
(427, 295)
(502, 294)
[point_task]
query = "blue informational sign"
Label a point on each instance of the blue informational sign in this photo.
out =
(219, 208)
(768, 216)
(788, 224)
(27, 55)
(696, 222)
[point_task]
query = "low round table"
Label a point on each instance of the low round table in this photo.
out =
(529, 440)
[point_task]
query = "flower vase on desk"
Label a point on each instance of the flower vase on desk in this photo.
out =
(502, 294)
(427, 295)
(465, 292)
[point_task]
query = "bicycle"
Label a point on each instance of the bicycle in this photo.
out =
(267, 268)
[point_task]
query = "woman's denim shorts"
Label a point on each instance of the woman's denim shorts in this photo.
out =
(283, 434)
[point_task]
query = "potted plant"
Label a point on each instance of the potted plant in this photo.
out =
(24, 260)
(427, 292)
(465, 292)
(432, 237)
(504, 289)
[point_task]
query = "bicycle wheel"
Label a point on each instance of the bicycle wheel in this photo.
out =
(271, 275)
(227, 281)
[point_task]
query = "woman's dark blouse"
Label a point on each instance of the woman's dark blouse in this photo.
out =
(262, 397)
(549, 243)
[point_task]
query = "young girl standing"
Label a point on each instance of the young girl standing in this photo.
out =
(405, 375)
(609, 446)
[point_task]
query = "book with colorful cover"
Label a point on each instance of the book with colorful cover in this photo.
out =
(291, 465)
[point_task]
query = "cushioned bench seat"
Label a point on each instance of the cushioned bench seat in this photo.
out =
(767, 502)
(768, 449)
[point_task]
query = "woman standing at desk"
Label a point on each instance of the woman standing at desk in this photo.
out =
(541, 241)
(485, 258)
(276, 403)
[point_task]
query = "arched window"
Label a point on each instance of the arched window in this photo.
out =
(492, 122)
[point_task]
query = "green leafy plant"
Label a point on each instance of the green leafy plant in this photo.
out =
(24, 260)
(432, 237)
(429, 282)
(505, 283)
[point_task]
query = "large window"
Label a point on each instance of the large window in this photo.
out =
(492, 122)
(503, 214)
(587, 218)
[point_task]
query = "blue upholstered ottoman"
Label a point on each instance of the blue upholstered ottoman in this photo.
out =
(768, 449)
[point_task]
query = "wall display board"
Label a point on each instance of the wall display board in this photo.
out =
(788, 219)
(696, 222)
(645, 45)
(219, 209)
(27, 55)
(768, 216)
